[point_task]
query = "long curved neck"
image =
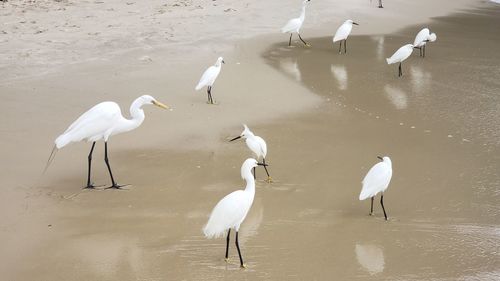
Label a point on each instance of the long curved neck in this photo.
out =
(250, 182)
(137, 115)
(303, 13)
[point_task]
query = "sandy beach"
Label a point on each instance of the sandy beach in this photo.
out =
(325, 117)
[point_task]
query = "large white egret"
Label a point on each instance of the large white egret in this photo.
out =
(231, 210)
(423, 36)
(342, 33)
(377, 180)
(400, 55)
(100, 123)
(295, 24)
(208, 78)
(257, 145)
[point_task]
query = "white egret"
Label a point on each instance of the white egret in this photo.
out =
(295, 24)
(342, 33)
(231, 210)
(208, 78)
(100, 123)
(400, 55)
(377, 180)
(423, 36)
(379, 3)
(257, 145)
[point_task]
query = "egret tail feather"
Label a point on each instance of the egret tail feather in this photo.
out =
(51, 158)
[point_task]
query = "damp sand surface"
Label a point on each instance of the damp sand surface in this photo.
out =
(439, 124)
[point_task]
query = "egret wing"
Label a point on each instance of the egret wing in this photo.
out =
(376, 180)
(229, 212)
(291, 25)
(342, 32)
(207, 78)
(421, 36)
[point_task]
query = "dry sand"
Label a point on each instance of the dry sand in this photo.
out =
(325, 118)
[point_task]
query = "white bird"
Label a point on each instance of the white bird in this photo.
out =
(423, 36)
(400, 55)
(257, 145)
(295, 24)
(208, 78)
(231, 210)
(100, 123)
(377, 180)
(342, 33)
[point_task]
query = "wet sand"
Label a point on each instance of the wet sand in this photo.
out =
(438, 123)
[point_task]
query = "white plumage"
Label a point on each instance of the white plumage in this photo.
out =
(103, 121)
(208, 78)
(400, 55)
(256, 144)
(423, 36)
(294, 25)
(232, 210)
(377, 180)
(343, 32)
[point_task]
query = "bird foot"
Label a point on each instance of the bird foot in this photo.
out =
(269, 180)
(308, 45)
(370, 214)
(244, 266)
(92, 186)
(380, 6)
(117, 186)
(227, 260)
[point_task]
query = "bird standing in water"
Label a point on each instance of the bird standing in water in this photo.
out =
(342, 33)
(400, 55)
(231, 210)
(295, 24)
(377, 180)
(423, 37)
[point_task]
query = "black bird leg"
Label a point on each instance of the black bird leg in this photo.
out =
(267, 172)
(382, 203)
(239, 252)
(400, 71)
(380, 4)
(423, 50)
(290, 41)
(305, 43)
(89, 184)
(340, 47)
(114, 184)
(209, 92)
(227, 244)
(371, 209)
(345, 46)
(254, 173)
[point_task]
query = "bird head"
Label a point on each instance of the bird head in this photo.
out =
(305, 2)
(248, 165)
(220, 60)
(245, 134)
(351, 22)
(147, 99)
(432, 37)
(385, 159)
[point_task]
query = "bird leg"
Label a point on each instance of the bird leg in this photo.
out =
(423, 51)
(269, 179)
(89, 184)
(345, 46)
(400, 71)
(340, 47)
(227, 245)
(305, 43)
(290, 41)
(382, 203)
(239, 252)
(254, 174)
(114, 184)
(209, 92)
(380, 4)
(371, 208)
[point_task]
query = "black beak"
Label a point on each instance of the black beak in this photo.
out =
(264, 164)
(235, 138)
(381, 159)
(223, 62)
(355, 23)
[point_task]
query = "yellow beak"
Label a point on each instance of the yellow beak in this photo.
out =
(159, 104)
